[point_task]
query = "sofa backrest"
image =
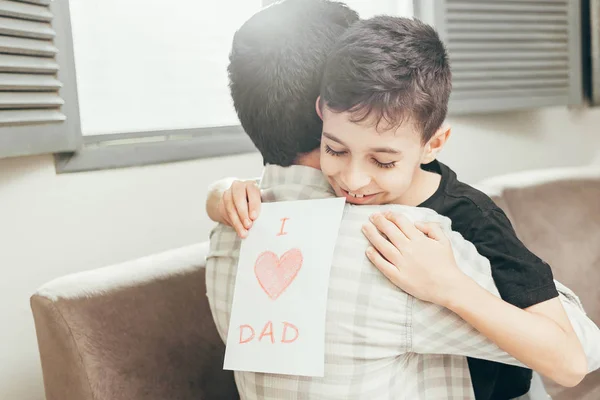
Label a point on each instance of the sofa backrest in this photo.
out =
(556, 213)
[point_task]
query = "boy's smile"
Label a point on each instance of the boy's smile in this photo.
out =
(355, 198)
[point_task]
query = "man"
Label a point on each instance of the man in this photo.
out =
(276, 64)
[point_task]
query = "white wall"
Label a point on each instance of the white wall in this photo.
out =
(54, 225)
(489, 145)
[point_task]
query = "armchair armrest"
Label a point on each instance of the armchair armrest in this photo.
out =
(137, 330)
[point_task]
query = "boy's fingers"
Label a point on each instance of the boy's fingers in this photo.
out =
(223, 211)
(432, 230)
(240, 200)
(388, 269)
(381, 244)
(390, 230)
(404, 224)
(438, 232)
(254, 201)
(232, 214)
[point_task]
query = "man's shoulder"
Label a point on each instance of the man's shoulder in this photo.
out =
(222, 232)
(224, 241)
(355, 213)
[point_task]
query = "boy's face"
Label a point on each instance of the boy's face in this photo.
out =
(370, 166)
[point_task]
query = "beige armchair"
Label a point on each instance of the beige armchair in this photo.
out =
(139, 330)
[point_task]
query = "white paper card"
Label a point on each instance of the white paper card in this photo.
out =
(278, 314)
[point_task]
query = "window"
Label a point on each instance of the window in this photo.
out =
(149, 65)
(370, 8)
(152, 80)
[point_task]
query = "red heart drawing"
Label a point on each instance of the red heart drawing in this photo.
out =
(275, 274)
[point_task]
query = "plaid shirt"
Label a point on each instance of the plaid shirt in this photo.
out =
(380, 342)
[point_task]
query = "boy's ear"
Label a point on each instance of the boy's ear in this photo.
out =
(436, 143)
(318, 108)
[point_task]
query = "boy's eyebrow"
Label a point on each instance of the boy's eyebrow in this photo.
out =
(374, 150)
(385, 150)
(331, 137)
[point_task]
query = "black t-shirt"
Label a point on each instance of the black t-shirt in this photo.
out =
(521, 277)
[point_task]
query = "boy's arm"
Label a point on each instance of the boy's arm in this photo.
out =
(437, 330)
(235, 203)
(541, 336)
(587, 331)
(525, 281)
(424, 266)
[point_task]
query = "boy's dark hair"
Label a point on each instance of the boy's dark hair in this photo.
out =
(276, 64)
(390, 69)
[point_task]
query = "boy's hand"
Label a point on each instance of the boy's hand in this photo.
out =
(240, 206)
(417, 258)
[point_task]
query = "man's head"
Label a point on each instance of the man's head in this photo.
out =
(276, 65)
(384, 99)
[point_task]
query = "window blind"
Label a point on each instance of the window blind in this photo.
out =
(38, 99)
(509, 54)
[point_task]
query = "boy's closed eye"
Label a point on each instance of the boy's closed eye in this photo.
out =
(391, 164)
(335, 153)
(339, 153)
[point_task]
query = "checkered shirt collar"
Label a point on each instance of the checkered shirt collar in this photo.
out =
(275, 176)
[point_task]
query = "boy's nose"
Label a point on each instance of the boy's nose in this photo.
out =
(355, 179)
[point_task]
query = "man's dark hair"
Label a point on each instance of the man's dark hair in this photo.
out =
(390, 69)
(276, 64)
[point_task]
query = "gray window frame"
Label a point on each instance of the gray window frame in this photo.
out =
(154, 147)
(594, 20)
